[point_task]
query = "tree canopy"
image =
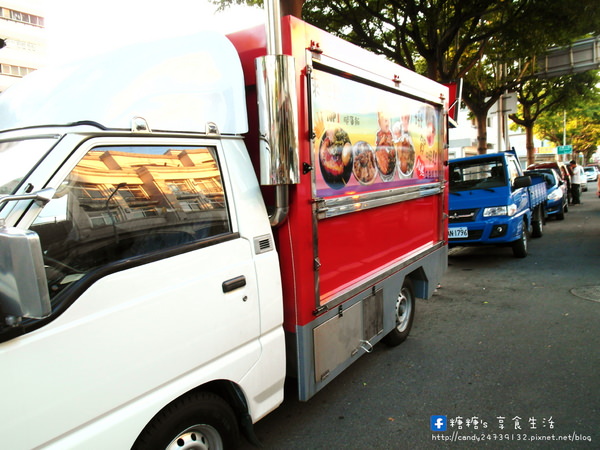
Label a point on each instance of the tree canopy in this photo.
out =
(491, 44)
(539, 96)
(581, 124)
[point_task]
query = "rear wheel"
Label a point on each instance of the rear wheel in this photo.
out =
(519, 247)
(200, 421)
(405, 313)
(537, 222)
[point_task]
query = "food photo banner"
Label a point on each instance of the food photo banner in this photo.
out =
(382, 141)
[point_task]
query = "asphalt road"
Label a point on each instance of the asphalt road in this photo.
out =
(503, 341)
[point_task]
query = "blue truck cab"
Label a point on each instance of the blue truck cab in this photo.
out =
(493, 203)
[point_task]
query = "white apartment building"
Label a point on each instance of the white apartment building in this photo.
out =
(22, 29)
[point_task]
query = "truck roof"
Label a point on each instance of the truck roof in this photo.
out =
(176, 84)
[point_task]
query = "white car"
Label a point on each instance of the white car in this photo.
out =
(591, 172)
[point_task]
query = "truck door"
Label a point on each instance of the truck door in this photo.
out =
(521, 195)
(151, 285)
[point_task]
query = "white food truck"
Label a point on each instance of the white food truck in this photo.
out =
(152, 293)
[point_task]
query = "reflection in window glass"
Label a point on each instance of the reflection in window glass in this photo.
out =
(123, 202)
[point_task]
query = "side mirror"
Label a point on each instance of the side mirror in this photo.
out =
(521, 182)
(23, 285)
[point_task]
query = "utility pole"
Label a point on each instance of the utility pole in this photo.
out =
(500, 114)
(564, 132)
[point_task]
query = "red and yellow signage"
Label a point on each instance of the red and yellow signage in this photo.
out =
(383, 141)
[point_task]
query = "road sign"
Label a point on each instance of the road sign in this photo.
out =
(580, 56)
(564, 149)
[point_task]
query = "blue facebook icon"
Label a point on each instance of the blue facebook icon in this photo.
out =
(439, 423)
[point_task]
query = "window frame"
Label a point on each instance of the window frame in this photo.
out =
(64, 299)
(92, 143)
(120, 141)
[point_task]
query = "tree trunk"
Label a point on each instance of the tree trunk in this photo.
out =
(529, 144)
(291, 7)
(481, 118)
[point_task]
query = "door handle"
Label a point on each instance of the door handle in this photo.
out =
(234, 283)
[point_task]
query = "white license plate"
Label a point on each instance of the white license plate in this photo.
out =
(458, 232)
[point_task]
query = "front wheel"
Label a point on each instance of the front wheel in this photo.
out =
(519, 247)
(200, 421)
(405, 314)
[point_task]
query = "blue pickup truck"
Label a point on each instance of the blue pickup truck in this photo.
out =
(491, 202)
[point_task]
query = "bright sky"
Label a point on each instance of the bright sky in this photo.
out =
(78, 27)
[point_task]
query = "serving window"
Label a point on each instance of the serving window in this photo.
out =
(385, 147)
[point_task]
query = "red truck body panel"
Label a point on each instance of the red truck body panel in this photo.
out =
(368, 214)
(349, 247)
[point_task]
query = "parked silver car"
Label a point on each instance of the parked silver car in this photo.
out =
(591, 172)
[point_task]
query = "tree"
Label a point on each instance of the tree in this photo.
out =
(582, 127)
(483, 85)
(288, 7)
(448, 39)
(509, 62)
(441, 39)
(537, 96)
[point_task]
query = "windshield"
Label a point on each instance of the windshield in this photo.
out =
(478, 174)
(18, 158)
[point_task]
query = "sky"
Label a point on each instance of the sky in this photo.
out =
(76, 28)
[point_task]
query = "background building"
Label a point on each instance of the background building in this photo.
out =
(22, 28)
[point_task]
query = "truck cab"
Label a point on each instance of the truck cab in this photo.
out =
(148, 239)
(492, 202)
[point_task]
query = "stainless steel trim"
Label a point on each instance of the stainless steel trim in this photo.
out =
(277, 113)
(273, 27)
(413, 87)
(23, 285)
(338, 206)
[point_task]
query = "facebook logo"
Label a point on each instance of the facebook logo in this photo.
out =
(439, 423)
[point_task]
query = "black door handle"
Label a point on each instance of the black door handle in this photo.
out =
(234, 283)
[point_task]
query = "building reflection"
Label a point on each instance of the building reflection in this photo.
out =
(123, 202)
(167, 187)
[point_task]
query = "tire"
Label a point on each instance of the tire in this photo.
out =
(537, 223)
(519, 247)
(200, 420)
(560, 215)
(405, 314)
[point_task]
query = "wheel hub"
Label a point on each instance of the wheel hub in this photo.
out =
(402, 311)
(197, 437)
